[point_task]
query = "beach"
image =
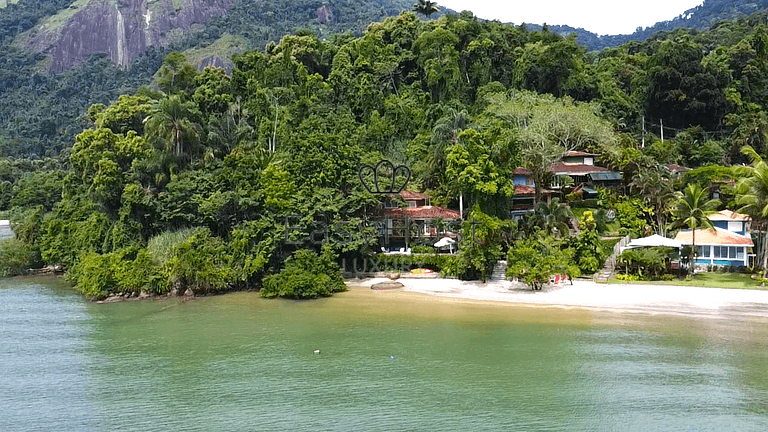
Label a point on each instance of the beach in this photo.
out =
(655, 299)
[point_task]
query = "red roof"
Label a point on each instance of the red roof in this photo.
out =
(522, 171)
(424, 212)
(410, 195)
(728, 215)
(523, 190)
(563, 168)
(717, 236)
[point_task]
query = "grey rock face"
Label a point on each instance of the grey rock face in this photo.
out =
(122, 29)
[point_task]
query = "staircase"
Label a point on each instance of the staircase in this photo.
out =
(610, 263)
(499, 272)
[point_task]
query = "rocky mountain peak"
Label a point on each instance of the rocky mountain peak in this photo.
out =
(121, 29)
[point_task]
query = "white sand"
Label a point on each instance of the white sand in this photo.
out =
(587, 294)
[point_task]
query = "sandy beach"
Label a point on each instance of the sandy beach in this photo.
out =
(664, 299)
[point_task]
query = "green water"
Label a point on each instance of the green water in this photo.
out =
(388, 361)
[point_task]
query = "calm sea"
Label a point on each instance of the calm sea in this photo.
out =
(388, 361)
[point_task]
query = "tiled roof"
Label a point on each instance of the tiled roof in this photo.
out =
(563, 168)
(424, 212)
(523, 190)
(717, 237)
(522, 171)
(728, 215)
(410, 195)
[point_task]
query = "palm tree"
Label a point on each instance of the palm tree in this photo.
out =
(444, 134)
(752, 195)
(690, 210)
(426, 7)
(655, 186)
(173, 123)
(554, 217)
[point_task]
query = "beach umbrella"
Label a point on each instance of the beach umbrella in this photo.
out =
(445, 242)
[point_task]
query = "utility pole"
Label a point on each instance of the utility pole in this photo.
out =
(662, 130)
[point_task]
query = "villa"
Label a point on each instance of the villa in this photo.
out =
(579, 166)
(727, 245)
(421, 219)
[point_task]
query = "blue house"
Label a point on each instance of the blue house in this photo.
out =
(728, 244)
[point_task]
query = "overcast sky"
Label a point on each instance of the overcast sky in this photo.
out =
(598, 16)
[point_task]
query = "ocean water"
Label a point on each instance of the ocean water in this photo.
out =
(387, 361)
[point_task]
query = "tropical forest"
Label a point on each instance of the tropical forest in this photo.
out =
(248, 177)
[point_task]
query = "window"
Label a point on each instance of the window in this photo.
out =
(704, 251)
(740, 253)
(735, 226)
(589, 161)
(732, 252)
(411, 203)
(720, 251)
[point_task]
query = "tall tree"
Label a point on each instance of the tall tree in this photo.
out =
(691, 208)
(752, 196)
(175, 124)
(655, 186)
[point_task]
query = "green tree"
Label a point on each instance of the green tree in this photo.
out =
(175, 125)
(656, 187)
(176, 75)
(535, 259)
(426, 7)
(554, 218)
(752, 196)
(690, 210)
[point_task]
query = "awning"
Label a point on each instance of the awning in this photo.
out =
(606, 176)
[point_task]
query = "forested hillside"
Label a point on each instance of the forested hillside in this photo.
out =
(702, 17)
(190, 183)
(40, 113)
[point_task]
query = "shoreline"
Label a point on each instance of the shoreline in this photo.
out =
(649, 299)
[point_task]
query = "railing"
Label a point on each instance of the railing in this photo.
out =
(610, 262)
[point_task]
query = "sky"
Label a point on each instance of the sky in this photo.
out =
(604, 17)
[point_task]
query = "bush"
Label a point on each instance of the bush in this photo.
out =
(92, 275)
(645, 262)
(422, 249)
(162, 247)
(17, 256)
(305, 275)
(129, 270)
(201, 263)
(627, 278)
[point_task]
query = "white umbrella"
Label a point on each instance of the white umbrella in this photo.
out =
(445, 242)
(654, 240)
